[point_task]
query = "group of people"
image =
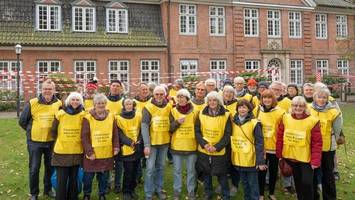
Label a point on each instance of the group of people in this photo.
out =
(239, 133)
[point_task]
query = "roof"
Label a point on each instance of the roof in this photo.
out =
(335, 3)
(17, 25)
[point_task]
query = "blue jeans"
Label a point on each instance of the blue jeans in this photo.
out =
(191, 172)
(118, 171)
(101, 178)
(155, 171)
(222, 180)
(250, 184)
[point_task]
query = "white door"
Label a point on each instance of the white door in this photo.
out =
(274, 70)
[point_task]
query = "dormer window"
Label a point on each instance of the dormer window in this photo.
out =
(116, 17)
(48, 15)
(84, 16)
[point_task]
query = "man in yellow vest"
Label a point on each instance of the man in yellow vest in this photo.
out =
(282, 101)
(156, 137)
(240, 91)
(36, 118)
(198, 101)
(308, 91)
(143, 96)
(91, 90)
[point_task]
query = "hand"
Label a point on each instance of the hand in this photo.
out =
(261, 167)
(212, 149)
(133, 144)
(314, 167)
(92, 157)
(207, 147)
(115, 151)
(181, 120)
(146, 151)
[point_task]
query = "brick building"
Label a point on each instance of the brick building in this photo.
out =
(161, 40)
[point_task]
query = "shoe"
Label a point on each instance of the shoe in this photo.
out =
(134, 195)
(261, 197)
(336, 176)
(33, 197)
(102, 197)
(118, 189)
(148, 198)
(127, 196)
(86, 197)
(50, 194)
(207, 197)
(162, 195)
(191, 196)
(218, 189)
(233, 191)
(176, 195)
(272, 197)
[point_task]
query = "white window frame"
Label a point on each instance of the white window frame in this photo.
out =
(322, 66)
(150, 71)
(295, 24)
(343, 67)
(120, 72)
(296, 72)
(189, 19)
(121, 21)
(215, 18)
(274, 24)
(83, 16)
(252, 20)
(57, 21)
(218, 71)
(342, 26)
(191, 68)
(321, 24)
(7, 82)
(254, 65)
(87, 74)
(44, 74)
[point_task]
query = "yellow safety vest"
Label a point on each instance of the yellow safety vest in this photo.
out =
(131, 128)
(326, 121)
(199, 107)
(256, 102)
(101, 135)
(140, 104)
(42, 119)
(212, 129)
(159, 124)
(285, 104)
(297, 138)
(69, 133)
(232, 108)
(115, 107)
(247, 97)
(88, 104)
(243, 144)
(183, 139)
(270, 122)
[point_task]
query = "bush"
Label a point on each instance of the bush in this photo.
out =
(254, 75)
(63, 84)
(7, 106)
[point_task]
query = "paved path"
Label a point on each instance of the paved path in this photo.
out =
(7, 115)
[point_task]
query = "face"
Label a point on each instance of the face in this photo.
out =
(261, 89)
(243, 110)
(252, 88)
(200, 91)
(74, 102)
(308, 91)
(115, 89)
(239, 85)
(100, 106)
(128, 105)
(159, 96)
(144, 91)
(277, 89)
(228, 95)
(212, 103)
(47, 91)
(210, 87)
(321, 99)
(267, 101)
(298, 109)
(181, 100)
(90, 92)
(292, 91)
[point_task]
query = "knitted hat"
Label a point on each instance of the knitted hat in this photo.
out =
(252, 82)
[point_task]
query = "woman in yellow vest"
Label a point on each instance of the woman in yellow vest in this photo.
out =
(213, 130)
(99, 136)
(230, 102)
(247, 148)
(299, 141)
(270, 115)
(68, 150)
(129, 124)
(183, 143)
(330, 123)
(240, 91)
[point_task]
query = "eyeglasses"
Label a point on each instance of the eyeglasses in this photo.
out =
(198, 89)
(211, 85)
(298, 105)
(159, 94)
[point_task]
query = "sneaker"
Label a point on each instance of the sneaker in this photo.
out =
(272, 197)
(33, 197)
(162, 196)
(50, 194)
(233, 191)
(218, 189)
(102, 197)
(207, 197)
(191, 196)
(86, 197)
(176, 195)
(336, 176)
(127, 196)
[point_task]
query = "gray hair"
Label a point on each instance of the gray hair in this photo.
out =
(71, 96)
(239, 79)
(185, 93)
(276, 83)
(308, 85)
(158, 88)
(215, 95)
(211, 80)
(319, 85)
(300, 100)
(100, 98)
(320, 91)
(229, 88)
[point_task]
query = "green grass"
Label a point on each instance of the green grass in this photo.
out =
(14, 164)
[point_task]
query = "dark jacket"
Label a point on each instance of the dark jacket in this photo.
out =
(214, 165)
(65, 160)
(258, 141)
(25, 121)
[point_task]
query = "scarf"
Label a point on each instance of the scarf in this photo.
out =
(184, 109)
(240, 93)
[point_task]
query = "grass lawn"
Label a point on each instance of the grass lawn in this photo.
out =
(14, 164)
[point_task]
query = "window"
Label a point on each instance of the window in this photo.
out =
(48, 17)
(188, 68)
(187, 19)
(117, 20)
(217, 21)
(251, 22)
(343, 67)
(150, 71)
(252, 65)
(218, 69)
(84, 19)
(84, 70)
(119, 70)
(342, 26)
(295, 21)
(8, 75)
(296, 72)
(273, 23)
(322, 67)
(45, 68)
(321, 26)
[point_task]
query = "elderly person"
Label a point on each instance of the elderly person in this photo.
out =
(178, 84)
(99, 136)
(143, 96)
(299, 141)
(91, 90)
(270, 115)
(198, 101)
(114, 98)
(240, 91)
(68, 150)
(277, 88)
(156, 137)
(230, 102)
(183, 143)
(330, 123)
(308, 91)
(292, 91)
(213, 130)
(252, 86)
(129, 124)
(36, 118)
(262, 85)
(211, 85)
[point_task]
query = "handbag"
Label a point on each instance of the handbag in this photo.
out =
(285, 168)
(341, 139)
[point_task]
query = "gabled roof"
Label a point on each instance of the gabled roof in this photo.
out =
(335, 3)
(116, 4)
(83, 3)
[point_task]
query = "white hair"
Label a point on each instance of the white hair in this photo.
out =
(229, 88)
(319, 85)
(239, 79)
(185, 93)
(98, 98)
(276, 83)
(320, 91)
(210, 80)
(308, 85)
(159, 88)
(215, 95)
(300, 100)
(71, 96)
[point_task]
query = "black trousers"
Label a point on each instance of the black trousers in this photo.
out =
(130, 175)
(67, 186)
(303, 177)
(328, 180)
(273, 165)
